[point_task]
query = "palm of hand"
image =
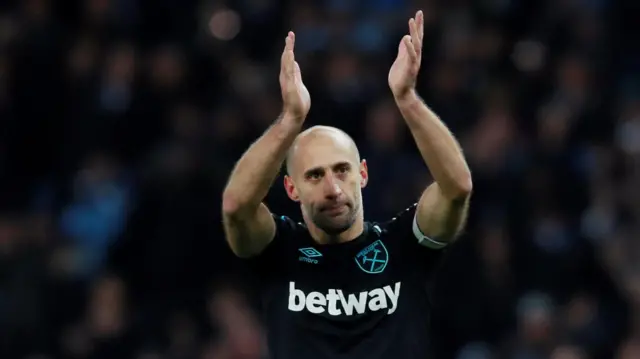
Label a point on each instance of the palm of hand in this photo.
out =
(295, 95)
(404, 71)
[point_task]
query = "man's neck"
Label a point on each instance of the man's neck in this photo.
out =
(350, 234)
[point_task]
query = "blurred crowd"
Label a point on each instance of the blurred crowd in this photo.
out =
(121, 119)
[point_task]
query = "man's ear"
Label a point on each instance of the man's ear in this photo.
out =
(290, 187)
(364, 174)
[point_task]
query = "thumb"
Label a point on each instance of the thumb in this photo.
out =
(296, 71)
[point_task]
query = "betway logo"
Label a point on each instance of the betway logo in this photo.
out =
(335, 302)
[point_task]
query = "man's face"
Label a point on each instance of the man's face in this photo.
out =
(327, 180)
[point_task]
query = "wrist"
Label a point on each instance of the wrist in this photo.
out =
(291, 117)
(407, 98)
(290, 121)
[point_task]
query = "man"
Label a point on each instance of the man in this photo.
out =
(337, 286)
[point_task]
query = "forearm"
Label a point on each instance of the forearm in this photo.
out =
(254, 173)
(438, 147)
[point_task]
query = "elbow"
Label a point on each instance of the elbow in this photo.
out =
(237, 208)
(231, 205)
(466, 186)
(462, 188)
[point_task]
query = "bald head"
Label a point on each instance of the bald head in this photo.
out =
(326, 177)
(321, 139)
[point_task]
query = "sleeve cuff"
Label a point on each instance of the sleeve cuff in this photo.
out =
(424, 240)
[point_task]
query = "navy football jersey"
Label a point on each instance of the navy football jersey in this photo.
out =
(363, 299)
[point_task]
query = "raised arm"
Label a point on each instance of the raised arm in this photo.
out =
(442, 209)
(248, 224)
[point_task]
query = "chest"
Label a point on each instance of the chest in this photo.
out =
(372, 263)
(336, 283)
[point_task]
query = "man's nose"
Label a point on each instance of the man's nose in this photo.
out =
(331, 188)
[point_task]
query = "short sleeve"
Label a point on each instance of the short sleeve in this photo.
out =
(274, 252)
(285, 226)
(418, 250)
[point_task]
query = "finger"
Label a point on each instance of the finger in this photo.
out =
(420, 23)
(287, 55)
(290, 41)
(412, 27)
(415, 36)
(413, 56)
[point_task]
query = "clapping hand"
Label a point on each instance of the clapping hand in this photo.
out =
(295, 95)
(404, 71)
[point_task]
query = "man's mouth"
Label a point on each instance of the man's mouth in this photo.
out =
(334, 209)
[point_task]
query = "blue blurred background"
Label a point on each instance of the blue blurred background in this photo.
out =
(121, 119)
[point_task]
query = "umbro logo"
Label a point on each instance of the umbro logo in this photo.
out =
(309, 255)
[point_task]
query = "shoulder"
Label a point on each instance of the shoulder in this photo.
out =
(288, 235)
(399, 221)
(420, 254)
(286, 226)
(405, 226)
